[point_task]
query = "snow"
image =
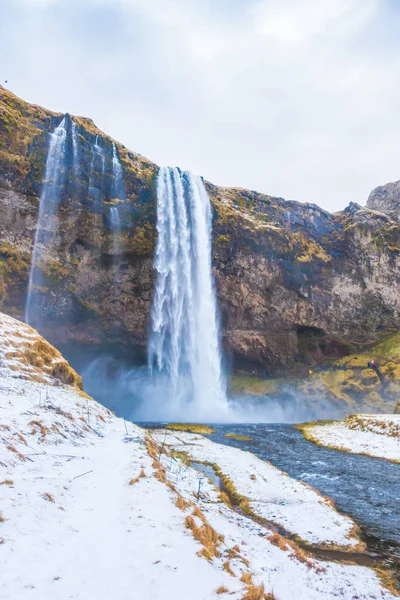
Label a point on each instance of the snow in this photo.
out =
(374, 435)
(73, 526)
(273, 495)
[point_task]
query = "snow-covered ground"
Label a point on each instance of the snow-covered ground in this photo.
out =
(374, 435)
(90, 508)
(272, 494)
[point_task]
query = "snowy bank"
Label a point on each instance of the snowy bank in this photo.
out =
(374, 435)
(92, 507)
(272, 494)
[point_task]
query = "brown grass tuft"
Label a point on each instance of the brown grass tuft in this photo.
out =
(296, 552)
(222, 590)
(1, 518)
(247, 578)
(38, 425)
(254, 592)
(181, 503)
(7, 482)
(206, 535)
(197, 513)
(228, 569)
(225, 498)
(141, 475)
(48, 497)
(13, 449)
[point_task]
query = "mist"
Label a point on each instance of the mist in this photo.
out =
(137, 395)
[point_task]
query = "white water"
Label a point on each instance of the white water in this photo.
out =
(184, 352)
(97, 164)
(49, 201)
(75, 157)
(118, 195)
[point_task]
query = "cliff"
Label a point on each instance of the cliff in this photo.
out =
(297, 286)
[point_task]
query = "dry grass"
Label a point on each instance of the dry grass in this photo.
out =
(48, 497)
(191, 428)
(233, 552)
(66, 374)
(222, 590)
(141, 475)
(13, 449)
(228, 568)
(1, 518)
(296, 552)
(247, 578)
(38, 425)
(197, 513)
(65, 414)
(206, 535)
(240, 438)
(22, 439)
(225, 499)
(254, 592)
(181, 503)
(253, 477)
(7, 482)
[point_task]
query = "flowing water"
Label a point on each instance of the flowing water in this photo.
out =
(97, 172)
(367, 489)
(118, 195)
(54, 179)
(184, 341)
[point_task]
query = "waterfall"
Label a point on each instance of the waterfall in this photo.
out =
(75, 156)
(118, 188)
(54, 179)
(184, 342)
(97, 165)
(118, 195)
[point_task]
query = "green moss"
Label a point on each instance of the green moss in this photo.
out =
(191, 427)
(141, 242)
(222, 241)
(245, 384)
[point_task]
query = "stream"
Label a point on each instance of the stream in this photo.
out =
(367, 489)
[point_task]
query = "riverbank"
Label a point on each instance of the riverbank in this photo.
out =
(93, 507)
(372, 435)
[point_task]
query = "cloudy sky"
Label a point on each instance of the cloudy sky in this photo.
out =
(295, 98)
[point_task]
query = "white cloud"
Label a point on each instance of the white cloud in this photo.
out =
(297, 98)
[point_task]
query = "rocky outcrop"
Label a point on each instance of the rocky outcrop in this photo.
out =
(296, 284)
(385, 197)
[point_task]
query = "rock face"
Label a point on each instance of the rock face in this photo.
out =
(385, 197)
(296, 284)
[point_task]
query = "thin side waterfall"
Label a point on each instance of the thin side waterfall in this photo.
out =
(184, 343)
(75, 156)
(118, 196)
(49, 201)
(97, 172)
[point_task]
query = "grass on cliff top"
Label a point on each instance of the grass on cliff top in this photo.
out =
(191, 428)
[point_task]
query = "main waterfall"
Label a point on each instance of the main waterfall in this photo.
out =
(184, 342)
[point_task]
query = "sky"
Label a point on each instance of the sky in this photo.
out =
(293, 98)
